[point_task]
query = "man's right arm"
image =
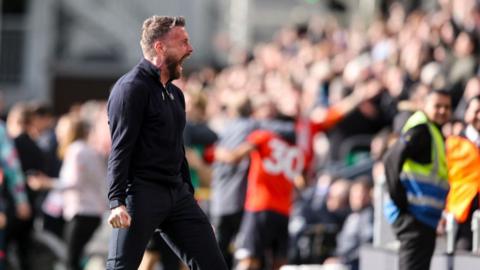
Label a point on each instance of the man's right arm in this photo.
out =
(126, 108)
(235, 155)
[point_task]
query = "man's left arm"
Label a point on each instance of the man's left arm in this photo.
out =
(185, 171)
(185, 168)
(235, 155)
(253, 141)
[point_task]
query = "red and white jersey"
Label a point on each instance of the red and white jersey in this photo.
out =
(306, 131)
(274, 164)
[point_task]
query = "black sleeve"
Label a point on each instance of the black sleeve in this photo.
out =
(186, 175)
(179, 93)
(198, 134)
(419, 144)
(126, 108)
(185, 169)
(415, 144)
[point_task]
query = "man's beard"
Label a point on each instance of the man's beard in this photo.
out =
(172, 67)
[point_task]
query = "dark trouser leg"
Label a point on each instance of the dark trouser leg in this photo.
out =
(169, 259)
(78, 232)
(189, 233)
(464, 237)
(417, 243)
(54, 225)
(148, 204)
(3, 255)
(226, 228)
(20, 232)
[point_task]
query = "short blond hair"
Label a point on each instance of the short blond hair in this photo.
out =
(155, 28)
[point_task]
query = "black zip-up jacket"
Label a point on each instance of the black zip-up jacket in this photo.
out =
(146, 122)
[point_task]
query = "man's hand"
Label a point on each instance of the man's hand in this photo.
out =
(39, 182)
(223, 155)
(442, 225)
(23, 211)
(194, 159)
(119, 217)
(332, 260)
(3, 220)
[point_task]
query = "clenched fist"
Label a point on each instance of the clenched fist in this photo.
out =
(119, 217)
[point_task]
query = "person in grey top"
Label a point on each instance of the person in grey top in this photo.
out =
(358, 227)
(230, 179)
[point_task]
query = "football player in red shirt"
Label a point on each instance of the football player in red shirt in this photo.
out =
(274, 164)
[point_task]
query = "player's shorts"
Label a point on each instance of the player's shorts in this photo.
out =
(260, 232)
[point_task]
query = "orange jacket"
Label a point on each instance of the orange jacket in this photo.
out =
(463, 162)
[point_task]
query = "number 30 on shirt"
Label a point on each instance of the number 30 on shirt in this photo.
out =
(284, 159)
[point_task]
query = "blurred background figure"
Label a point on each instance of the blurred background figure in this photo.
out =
(463, 160)
(19, 230)
(199, 139)
(14, 199)
(3, 223)
(358, 227)
(318, 216)
(82, 183)
(229, 180)
(275, 163)
(417, 181)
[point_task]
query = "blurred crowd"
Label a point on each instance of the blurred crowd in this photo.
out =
(343, 91)
(54, 179)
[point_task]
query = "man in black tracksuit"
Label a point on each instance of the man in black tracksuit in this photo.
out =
(149, 182)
